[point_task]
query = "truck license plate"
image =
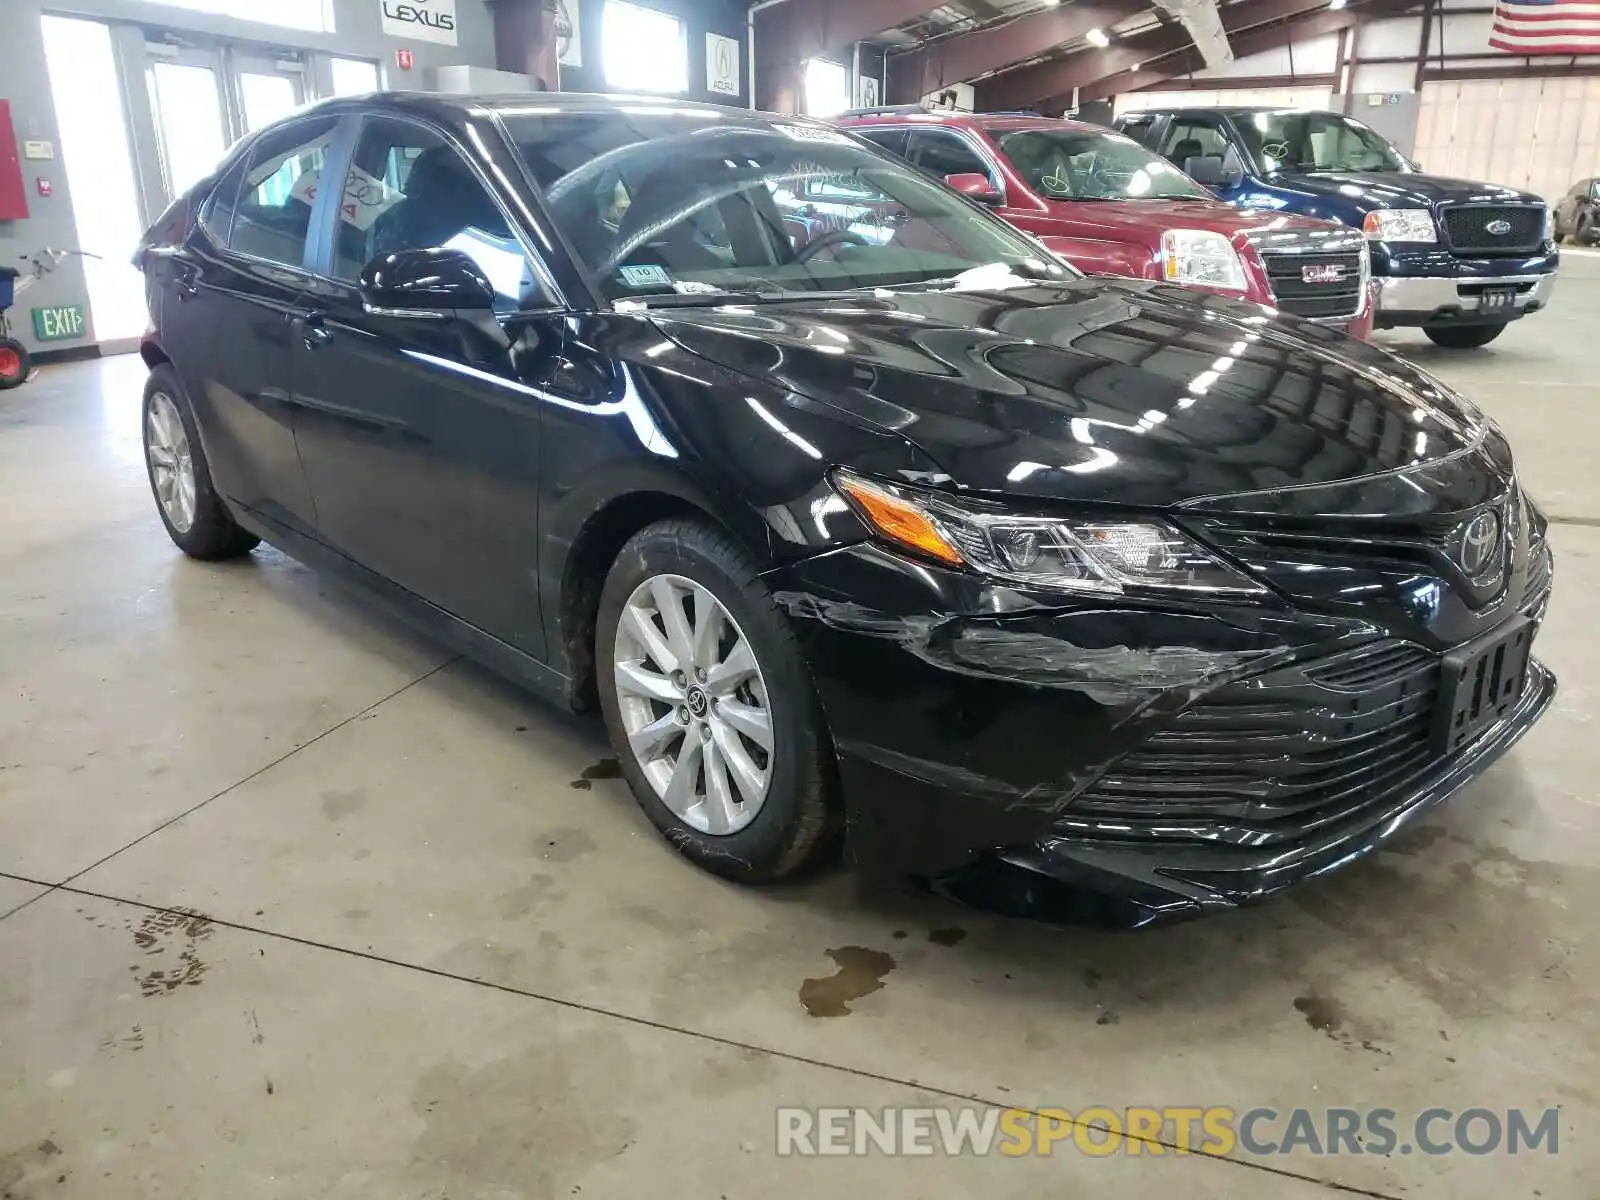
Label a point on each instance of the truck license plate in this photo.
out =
(1497, 300)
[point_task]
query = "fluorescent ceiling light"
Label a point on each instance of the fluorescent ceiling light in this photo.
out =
(1098, 37)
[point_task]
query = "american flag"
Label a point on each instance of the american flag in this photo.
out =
(1546, 26)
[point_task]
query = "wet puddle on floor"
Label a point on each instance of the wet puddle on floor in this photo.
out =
(860, 973)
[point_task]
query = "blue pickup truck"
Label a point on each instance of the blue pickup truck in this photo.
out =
(1460, 260)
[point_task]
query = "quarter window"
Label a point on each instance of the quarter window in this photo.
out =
(277, 192)
(409, 189)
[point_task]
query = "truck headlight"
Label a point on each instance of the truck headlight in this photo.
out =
(1549, 224)
(1400, 225)
(1201, 256)
(1083, 554)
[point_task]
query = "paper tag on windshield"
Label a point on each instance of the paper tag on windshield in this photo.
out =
(808, 133)
(645, 275)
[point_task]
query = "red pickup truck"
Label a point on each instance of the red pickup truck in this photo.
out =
(1110, 207)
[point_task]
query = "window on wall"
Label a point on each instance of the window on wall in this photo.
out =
(291, 14)
(643, 50)
(827, 88)
(353, 76)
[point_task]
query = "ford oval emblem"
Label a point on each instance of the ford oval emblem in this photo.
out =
(1498, 227)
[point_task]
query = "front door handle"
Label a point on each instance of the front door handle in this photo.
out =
(313, 330)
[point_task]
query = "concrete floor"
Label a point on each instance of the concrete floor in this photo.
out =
(431, 964)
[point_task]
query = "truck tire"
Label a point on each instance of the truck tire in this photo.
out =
(1464, 337)
(1584, 235)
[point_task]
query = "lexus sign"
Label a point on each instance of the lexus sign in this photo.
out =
(420, 20)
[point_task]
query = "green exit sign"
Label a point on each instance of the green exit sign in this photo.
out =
(59, 323)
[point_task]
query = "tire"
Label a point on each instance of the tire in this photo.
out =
(1584, 234)
(1464, 337)
(14, 363)
(211, 532)
(791, 824)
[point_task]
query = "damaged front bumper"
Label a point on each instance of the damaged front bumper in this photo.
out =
(1119, 761)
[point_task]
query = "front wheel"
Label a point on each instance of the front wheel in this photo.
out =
(709, 705)
(1585, 232)
(14, 363)
(1464, 337)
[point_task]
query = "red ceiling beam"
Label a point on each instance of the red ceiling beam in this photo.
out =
(939, 63)
(1054, 80)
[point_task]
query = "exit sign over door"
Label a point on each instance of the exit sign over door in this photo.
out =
(60, 323)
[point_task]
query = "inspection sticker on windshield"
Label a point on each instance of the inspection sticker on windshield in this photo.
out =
(810, 133)
(645, 275)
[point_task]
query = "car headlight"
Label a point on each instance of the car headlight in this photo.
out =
(1201, 256)
(1400, 225)
(1084, 554)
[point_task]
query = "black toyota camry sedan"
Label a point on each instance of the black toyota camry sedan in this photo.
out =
(850, 508)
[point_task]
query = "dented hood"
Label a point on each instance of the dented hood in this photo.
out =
(1116, 391)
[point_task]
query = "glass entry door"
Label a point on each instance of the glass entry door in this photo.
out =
(267, 89)
(189, 104)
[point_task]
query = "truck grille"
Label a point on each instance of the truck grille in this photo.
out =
(1279, 754)
(1296, 294)
(1466, 229)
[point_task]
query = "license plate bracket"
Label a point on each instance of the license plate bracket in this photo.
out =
(1497, 300)
(1480, 684)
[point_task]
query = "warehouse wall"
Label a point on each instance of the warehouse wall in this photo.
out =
(700, 17)
(25, 82)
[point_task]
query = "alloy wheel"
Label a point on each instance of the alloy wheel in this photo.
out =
(693, 703)
(166, 448)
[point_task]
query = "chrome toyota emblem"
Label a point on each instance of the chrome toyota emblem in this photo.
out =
(1479, 538)
(1498, 227)
(696, 700)
(1323, 273)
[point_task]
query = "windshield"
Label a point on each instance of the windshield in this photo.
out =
(682, 202)
(1315, 141)
(1062, 164)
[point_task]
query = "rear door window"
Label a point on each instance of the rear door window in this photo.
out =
(279, 188)
(1141, 127)
(1188, 138)
(942, 154)
(892, 140)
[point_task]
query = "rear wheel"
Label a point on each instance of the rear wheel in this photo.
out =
(1584, 235)
(1464, 337)
(709, 706)
(14, 363)
(196, 519)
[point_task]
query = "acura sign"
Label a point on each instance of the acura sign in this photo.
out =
(420, 20)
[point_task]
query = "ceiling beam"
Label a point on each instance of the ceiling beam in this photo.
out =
(1051, 82)
(800, 29)
(940, 62)
(1259, 40)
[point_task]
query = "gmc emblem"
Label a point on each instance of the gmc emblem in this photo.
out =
(1323, 273)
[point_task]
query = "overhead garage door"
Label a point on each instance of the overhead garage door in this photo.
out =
(1538, 134)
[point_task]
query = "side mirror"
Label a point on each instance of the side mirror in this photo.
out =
(974, 186)
(1208, 171)
(429, 285)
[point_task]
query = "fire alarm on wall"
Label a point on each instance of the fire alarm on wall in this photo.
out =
(43, 185)
(402, 59)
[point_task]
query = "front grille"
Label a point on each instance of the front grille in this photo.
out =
(1278, 754)
(1286, 274)
(1466, 228)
